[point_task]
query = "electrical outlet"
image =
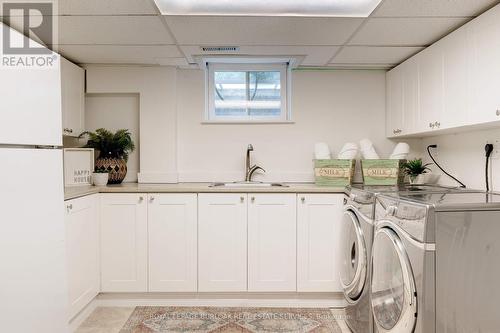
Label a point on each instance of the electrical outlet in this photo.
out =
(496, 149)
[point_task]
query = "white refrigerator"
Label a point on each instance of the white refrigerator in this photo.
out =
(33, 287)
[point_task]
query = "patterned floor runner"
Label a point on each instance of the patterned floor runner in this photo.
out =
(228, 320)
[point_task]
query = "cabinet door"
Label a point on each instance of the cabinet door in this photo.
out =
(395, 102)
(82, 248)
(172, 234)
(430, 88)
(222, 242)
(318, 259)
(272, 247)
(484, 45)
(73, 98)
(402, 99)
(123, 242)
(455, 79)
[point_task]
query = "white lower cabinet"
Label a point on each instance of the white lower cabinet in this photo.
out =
(82, 251)
(210, 242)
(318, 223)
(272, 243)
(124, 253)
(172, 242)
(222, 242)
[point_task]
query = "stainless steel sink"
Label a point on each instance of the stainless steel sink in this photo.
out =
(248, 184)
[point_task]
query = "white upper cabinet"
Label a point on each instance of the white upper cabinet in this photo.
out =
(430, 89)
(395, 110)
(73, 98)
(458, 79)
(222, 242)
(124, 261)
(318, 242)
(272, 234)
(172, 230)
(402, 99)
(31, 102)
(484, 45)
(82, 251)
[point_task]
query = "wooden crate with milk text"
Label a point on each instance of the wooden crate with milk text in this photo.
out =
(334, 172)
(383, 172)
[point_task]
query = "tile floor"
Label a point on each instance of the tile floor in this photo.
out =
(112, 319)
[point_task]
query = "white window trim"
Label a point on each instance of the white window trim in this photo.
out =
(211, 118)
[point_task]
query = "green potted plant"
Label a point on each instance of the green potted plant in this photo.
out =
(415, 169)
(114, 149)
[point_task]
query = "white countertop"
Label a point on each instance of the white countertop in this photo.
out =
(79, 191)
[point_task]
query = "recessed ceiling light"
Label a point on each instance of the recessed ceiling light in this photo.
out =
(327, 8)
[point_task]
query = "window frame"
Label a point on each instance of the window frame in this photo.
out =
(211, 68)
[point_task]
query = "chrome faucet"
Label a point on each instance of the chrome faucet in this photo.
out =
(250, 169)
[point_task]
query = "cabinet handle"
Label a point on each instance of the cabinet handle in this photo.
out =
(303, 199)
(151, 199)
(69, 207)
(242, 199)
(253, 199)
(431, 125)
(68, 130)
(438, 124)
(498, 112)
(141, 199)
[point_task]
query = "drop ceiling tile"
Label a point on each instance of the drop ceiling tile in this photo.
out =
(113, 30)
(374, 54)
(119, 54)
(106, 7)
(362, 66)
(180, 62)
(405, 31)
(443, 8)
(250, 30)
(313, 55)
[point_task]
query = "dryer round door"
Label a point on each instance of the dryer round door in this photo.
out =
(354, 257)
(393, 294)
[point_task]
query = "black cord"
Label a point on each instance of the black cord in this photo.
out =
(486, 171)
(436, 163)
(488, 149)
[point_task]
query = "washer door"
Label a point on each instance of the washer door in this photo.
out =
(393, 294)
(354, 258)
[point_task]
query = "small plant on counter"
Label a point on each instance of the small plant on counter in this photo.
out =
(415, 168)
(114, 150)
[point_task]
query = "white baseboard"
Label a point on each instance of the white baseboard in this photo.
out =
(80, 317)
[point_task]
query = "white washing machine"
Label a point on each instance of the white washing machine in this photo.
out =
(434, 263)
(357, 231)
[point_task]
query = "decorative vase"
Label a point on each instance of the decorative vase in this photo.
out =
(417, 180)
(100, 179)
(115, 167)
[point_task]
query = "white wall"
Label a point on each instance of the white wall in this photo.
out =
(330, 106)
(156, 87)
(334, 106)
(113, 112)
(463, 156)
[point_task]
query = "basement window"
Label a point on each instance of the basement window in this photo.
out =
(245, 93)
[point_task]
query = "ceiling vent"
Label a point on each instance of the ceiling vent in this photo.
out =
(220, 49)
